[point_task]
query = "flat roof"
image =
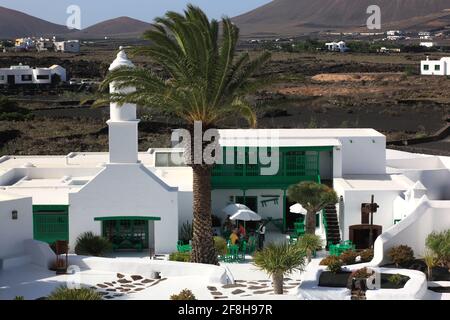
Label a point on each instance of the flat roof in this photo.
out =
(299, 133)
(375, 182)
(282, 142)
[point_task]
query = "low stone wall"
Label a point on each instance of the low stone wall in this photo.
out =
(309, 288)
(145, 268)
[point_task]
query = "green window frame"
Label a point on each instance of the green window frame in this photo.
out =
(51, 223)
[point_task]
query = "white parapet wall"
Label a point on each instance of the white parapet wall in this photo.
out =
(426, 217)
(145, 267)
(16, 225)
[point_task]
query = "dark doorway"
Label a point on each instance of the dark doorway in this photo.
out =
(291, 218)
(360, 235)
(11, 79)
(252, 204)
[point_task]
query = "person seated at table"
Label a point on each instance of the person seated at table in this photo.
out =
(234, 237)
(242, 231)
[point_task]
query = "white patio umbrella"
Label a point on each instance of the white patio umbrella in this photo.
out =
(233, 208)
(246, 215)
(242, 213)
(298, 209)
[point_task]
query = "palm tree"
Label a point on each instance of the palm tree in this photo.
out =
(314, 197)
(202, 80)
(278, 260)
(309, 243)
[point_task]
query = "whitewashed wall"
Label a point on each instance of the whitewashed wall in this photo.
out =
(352, 207)
(427, 217)
(221, 198)
(13, 233)
(363, 155)
(126, 190)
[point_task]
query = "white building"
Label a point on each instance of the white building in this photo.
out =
(395, 35)
(425, 35)
(21, 75)
(337, 46)
(435, 67)
(70, 46)
(141, 199)
(44, 44)
(427, 44)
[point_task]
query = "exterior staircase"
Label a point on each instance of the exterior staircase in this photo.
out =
(332, 225)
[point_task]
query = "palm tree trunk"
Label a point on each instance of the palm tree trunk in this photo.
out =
(310, 223)
(278, 279)
(203, 250)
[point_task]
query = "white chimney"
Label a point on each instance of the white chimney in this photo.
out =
(123, 125)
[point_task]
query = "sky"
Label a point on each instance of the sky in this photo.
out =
(94, 11)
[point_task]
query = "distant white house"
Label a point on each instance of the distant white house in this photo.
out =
(427, 44)
(425, 35)
(435, 67)
(395, 35)
(44, 44)
(21, 74)
(70, 46)
(337, 46)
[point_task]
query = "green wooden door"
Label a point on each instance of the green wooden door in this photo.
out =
(127, 234)
(50, 226)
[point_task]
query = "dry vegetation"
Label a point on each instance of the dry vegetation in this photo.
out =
(312, 91)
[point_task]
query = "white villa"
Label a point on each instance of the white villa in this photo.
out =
(21, 75)
(69, 46)
(340, 46)
(435, 67)
(145, 196)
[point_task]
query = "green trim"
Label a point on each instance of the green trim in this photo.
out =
(127, 218)
(50, 223)
(51, 208)
(296, 164)
(284, 211)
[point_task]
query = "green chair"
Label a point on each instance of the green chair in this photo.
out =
(251, 245)
(181, 247)
(233, 254)
(241, 255)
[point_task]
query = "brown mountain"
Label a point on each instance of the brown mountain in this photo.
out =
(15, 24)
(18, 24)
(292, 17)
(122, 27)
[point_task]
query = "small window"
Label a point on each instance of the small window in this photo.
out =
(426, 67)
(43, 77)
(169, 159)
(2, 78)
(437, 68)
(27, 77)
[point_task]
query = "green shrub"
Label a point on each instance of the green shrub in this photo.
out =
(396, 279)
(183, 295)
(430, 260)
(309, 243)
(186, 232)
(10, 111)
(349, 257)
(221, 245)
(401, 255)
(439, 243)
(334, 264)
(88, 244)
(366, 255)
(19, 298)
(180, 256)
(64, 293)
